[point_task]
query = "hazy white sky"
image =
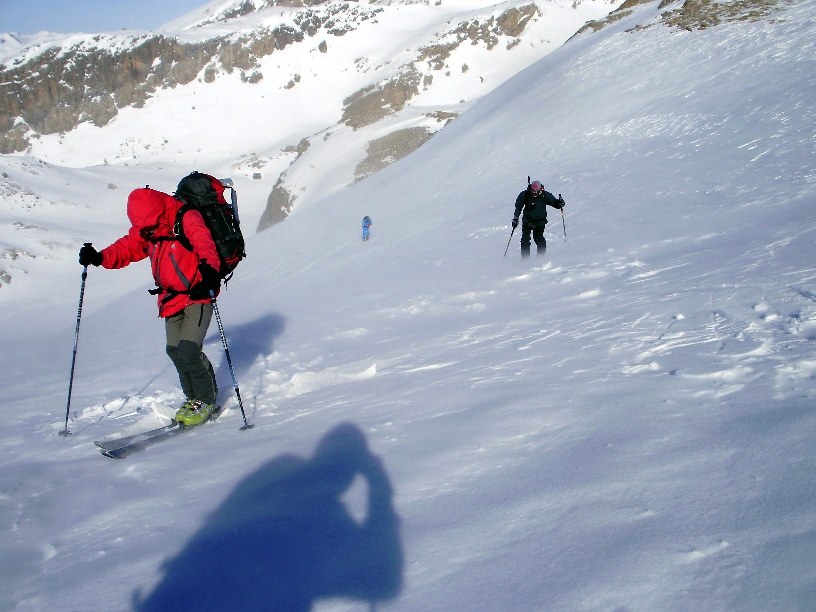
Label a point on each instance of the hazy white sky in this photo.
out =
(87, 16)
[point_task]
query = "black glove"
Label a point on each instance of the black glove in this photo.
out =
(210, 281)
(514, 224)
(89, 256)
(561, 202)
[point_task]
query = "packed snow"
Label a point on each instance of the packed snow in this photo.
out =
(625, 423)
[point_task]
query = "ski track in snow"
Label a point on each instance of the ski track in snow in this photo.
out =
(697, 333)
(691, 332)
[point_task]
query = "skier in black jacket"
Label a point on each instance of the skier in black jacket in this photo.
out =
(534, 201)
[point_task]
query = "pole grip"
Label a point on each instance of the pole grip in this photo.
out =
(84, 268)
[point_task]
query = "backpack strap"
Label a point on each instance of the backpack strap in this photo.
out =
(528, 199)
(178, 236)
(178, 231)
(178, 227)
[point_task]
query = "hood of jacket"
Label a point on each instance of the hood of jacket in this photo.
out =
(148, 208)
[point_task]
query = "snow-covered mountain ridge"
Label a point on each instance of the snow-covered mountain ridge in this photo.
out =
(396, 71)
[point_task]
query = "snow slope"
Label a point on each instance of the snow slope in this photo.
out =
(626, 423)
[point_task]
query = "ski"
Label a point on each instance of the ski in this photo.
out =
(142, 435)
(122, 447)
(140, 444)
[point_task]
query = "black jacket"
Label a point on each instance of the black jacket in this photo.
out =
(535, 208)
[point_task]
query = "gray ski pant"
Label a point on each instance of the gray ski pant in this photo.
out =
(185, 338)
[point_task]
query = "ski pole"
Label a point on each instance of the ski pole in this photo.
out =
(514, 229)
(508, 242)
(229, 360)
(65, 431)
(563, 223)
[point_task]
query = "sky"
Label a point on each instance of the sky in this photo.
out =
(625, 423)
(89, 16)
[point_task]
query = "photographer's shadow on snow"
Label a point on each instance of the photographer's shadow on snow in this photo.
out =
(246, 343)
(284, 538)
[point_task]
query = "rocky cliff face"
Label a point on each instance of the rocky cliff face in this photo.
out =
(693, 14)
(63, 86)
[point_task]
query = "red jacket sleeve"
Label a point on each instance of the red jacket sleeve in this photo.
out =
(200, 239)
(128, 249)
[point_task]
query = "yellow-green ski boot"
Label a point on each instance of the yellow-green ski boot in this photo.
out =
(196, 413)
(183, 411)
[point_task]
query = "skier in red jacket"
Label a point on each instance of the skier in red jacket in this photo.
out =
(184, 279)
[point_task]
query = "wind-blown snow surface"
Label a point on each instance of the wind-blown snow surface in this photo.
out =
(627, 423)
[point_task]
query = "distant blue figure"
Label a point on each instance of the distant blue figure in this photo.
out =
(366, 224)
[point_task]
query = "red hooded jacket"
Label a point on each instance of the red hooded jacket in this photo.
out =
(175, 268)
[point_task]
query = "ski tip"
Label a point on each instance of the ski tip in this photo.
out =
(113, 454)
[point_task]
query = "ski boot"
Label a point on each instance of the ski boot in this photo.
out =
(196, 412)
(185, 407)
